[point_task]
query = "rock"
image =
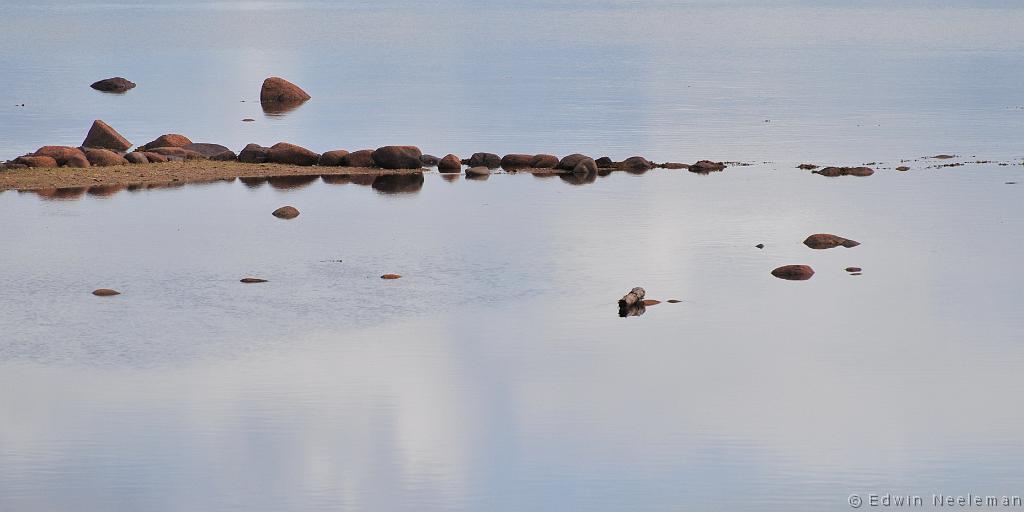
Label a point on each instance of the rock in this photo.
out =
(488, 160)
(633, 298)
(855, 273)
(845, 171)
(285, 153)
(429, 160)
(104, 158)
(854, 269)
(154, 158)
(253, 280)
(398, 183)
(673, 301)
(116, 84)
(136, 158)
(943, 157)
(827, 241)
(286, 212)
(674, 165)
(807, 167)
(903, 168)
(254, 154)
(169, 140)
(390, 276)
(101, 135)
(605, 162)
(450, 163)
(585, 166)
(398, 157)
(568, 163)
(707, 166)
(64, 155)
(11, 166)
(636, 163)
(212, 151)
(332, 158)
(176, 153)
(794, 272)
(543, 161)
(650, 302)
(478, 171)
(105, 292)
(759, 246)
(248, 120)
(515, 162)
(36, 161)
(292, 182)
(279, 90)
(362, 158)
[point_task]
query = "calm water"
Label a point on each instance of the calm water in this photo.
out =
(496, 375)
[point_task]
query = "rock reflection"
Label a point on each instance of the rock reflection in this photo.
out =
(634, 310)
(578, 178)
(61, 194)
(450, 178)
(280, 108)
(335, 179)
(105, 190)
(398, 183)
(478, 177)
(253, 182)
(291, 182)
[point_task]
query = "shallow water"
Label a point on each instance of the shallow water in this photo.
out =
(496, 374)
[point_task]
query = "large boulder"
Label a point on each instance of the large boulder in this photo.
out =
(845, 171)
(101, 135)
(398, 157)
(543, 161)
(169, 140)
(136, 157)
(585, 166)
(285, 153)
(154, 158)
(104, 158)
(212, 151)
(794, 272)
(707, 166)
(64, 155)
(361, 158)
(116, 84)
(276, 89)
(568, 163)
(36, 161)
(827, 241)
(450, 163)
(515, 162)
(605, 162)
(488, 160)
(254, 154)
(429, 160)
(636, 163)
(332, 158)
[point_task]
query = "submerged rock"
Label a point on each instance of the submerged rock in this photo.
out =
(101, 135)
(903, 168)
(398, 157)
(707, 166)
(827, 241)
(488, 160)
(286, 212)
(450, 163)
(390, 276)
(115, 84)
(105, 292)
(759, 246)
(673, 301)
(278, 90)
(794, 272)
(253, 280)
(807, 167)
(833, 172)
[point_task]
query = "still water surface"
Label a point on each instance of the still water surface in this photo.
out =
(496, 375)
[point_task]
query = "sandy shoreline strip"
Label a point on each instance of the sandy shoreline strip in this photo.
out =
(168, 173)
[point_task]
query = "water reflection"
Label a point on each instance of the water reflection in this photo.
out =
(253, 182)
(478, 177)
(105, 190)
(61, 194)
(336, 179)
(280, 108)
(573, 178)
(634, 310)
(292, 182)
(398, 183)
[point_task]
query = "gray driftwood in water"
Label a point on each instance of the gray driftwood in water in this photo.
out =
(634, 297)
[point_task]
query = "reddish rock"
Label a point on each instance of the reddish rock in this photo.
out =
(286, 212)
(827, 241)
(101, 135)
(854, 269)
(543, 161)
(903, 168)
(136, 158)
(254, 154)
(176, 153)
(332, 158)
(64, 155)
(212, 151)
(794, 272)
(515, 162)
(833, 172)
(362, 158)
(105, 292)
(36, 161)
(707, 166)
(585, 166)
(276, 89)
(116, 84)
(429, 160)
(398, 157)
(450, 163)
(807, 167)
(154, 158)
(568, 163)
(104, 158)
(650, 302)
(605, 163)
(285, 153)
(478, 171)
(488, 160)
(390, 276)
(169, 140)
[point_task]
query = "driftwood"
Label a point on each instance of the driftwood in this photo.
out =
(634, 297)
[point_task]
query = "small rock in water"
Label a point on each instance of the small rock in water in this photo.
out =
(807, 167)
(249, 280)
(759, 246)
(478, 171)
(833, 172)
(1011, 182)
(707, 166)
(673, 301)
(286, 212)
(853, 269)
(903, 168)
(248, 120)
(827, 241)
(116, 84)
(390, 276)
(794, 272)
(650, 302)
(943, 157)
(105, 292)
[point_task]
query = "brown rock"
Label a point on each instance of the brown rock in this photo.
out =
(794, 272)
(254, 154)
(176, 153)
(674, 165)
(807, 167)
(64, 155)
(104, 158)
(285, 153)
(845, 171)
(488, 160)
(827, 241)
(253, 280)
(36, 161)
(429, 160)
(651, 302)
(854, 269)
(154, 158)
(585, 166)
(390, 276)
(707, 166)
(943, 157)
(543, 161)
(673, 301)
(286, 212)
(362, 158)
(515, 162)
(409, 183)
(212, 151)
(101, 135)
(759, 246)
(11, 166)
(450, 163)
(116, 84)
(398, 157)
(478, 171)
(903, 168)
(136, 158)
(105, 292)
(636, 163)
(276, 89)
(169, 140)
(568, 163)
(605, 162)
(332, 158)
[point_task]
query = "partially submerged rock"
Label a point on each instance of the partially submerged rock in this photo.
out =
(285, 153)
(286, 212)
(794, 272)
(569, 162)
(105, 292)
(833, 172)
(332, 158)
(254, 154)
(278, 90)
(429, 160)
(390, 276)
(398, 157)
(903, 168)
(253, 280)
(543, 161)
(636, 163)
(101, 135)
(827, 241)
(115, 84)
(449, 164)
(585, 166)
(605, 162)
(488, 160)
(707, 166)
(514, 162)
(674, 165)
(807, 167)
(650, 302)
(854, 269)
(634, 297)
(478, 171)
